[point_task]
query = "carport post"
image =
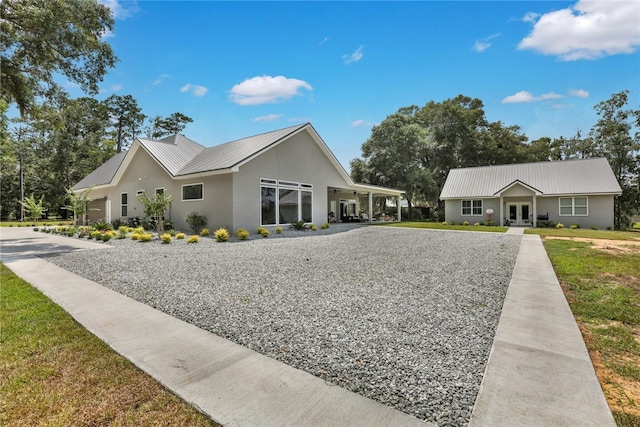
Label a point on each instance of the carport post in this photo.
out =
(370, 206)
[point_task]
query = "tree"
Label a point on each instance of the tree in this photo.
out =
(33, 208)
(126, 117)
(614, 137)
(171, 125)
(155, 207)
(44, 38)
(78, 203)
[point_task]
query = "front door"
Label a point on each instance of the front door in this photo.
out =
(519, 213)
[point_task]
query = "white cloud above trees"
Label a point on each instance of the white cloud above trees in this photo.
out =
(194, 89)
(267, 89)
(355, 56)
(589, 29)
(525, 96)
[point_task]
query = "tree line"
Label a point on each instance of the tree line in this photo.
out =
(415, 148)
(56, 140)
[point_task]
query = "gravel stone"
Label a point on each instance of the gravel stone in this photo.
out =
(403, 316)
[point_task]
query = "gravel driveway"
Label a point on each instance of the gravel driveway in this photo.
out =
(403, 316)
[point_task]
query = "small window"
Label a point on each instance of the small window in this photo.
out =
(192, 192)
(124, 198)
(139, 193)
(159, 190)
(574, 206)
(472, 207)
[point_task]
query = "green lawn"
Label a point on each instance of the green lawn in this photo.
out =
(53, 372)
(439, 226)
(584, 233)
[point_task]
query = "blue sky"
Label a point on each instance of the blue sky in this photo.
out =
(242, 68)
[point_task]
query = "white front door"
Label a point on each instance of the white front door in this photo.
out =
(519, 213)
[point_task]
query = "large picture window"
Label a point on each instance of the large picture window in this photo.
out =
(193, 192)
(472, 207)
(283, 202)
(573, 206)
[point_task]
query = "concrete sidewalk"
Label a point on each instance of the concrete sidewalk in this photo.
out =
(539, 372)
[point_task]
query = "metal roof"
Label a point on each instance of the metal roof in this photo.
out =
(578, 176)
(230, 154)
(103, 174)
(172, 152)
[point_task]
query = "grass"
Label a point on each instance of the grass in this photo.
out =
(602, 287)
(29, 223)
(439, 226)
(583, 233)
(54, 372)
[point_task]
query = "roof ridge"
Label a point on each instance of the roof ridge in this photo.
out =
(531, 163)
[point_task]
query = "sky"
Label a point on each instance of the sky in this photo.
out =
(243, 68)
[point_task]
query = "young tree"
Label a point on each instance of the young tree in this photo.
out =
(33, 208)
(127, 119)
(617, 137)
(44, 38)
(155, 207)
(78, 203)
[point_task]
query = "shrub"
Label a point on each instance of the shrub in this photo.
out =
(180, 236)
(278, 230)
(242, 234)
(260, 229)
(221, 235)
(106, 237)
(172, 232)
(477, 224)
(324, 226)
(166, 238)
(609, 228)
(95, 234)
(444, 223)
(116, 223)
(196, 222)
(574, 226)
(299, 225)
(145, 237)
(313, 227)
(264, 232)
(559, 225)
(135, 236)
(167, 224)
(102, 226)
(138, 230)
(594, 227)
(205, 232)
(465, 223)
(193, 239)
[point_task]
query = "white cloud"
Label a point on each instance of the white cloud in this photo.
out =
(266, 89)
(361, 123)
(324, 40)
(120, 11)
(525, 96)
(160, 79)
(355, 56)
(588, 30)
(116, 87)
(530, 17)
(483, 44)
(267, 118)
(580, 93)
(194, 89)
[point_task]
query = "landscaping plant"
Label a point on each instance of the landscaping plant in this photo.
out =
(221, 235)
(196, 222)
(155, 207)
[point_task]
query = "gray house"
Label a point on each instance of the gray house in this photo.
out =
(271, 179)
(579, 192)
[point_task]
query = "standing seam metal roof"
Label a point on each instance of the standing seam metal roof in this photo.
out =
(172, 152)
(579, 176)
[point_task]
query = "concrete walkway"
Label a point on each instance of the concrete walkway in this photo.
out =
(539, 372)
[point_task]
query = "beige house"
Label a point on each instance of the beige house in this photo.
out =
(271, 179)
(579, 192)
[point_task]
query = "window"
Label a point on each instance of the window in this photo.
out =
(124, 199)
(283, 202)
(472, 207)
(192, 192)
(159, 190)
(573, 206)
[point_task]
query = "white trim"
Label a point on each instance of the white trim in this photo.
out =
(191, 185)
(573, 206)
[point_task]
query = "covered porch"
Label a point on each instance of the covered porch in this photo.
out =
(356, 204)
(518, 205)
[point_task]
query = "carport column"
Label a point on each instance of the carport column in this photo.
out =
(399, 208)
(501, 214)
(535, 211)
(370, 206)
